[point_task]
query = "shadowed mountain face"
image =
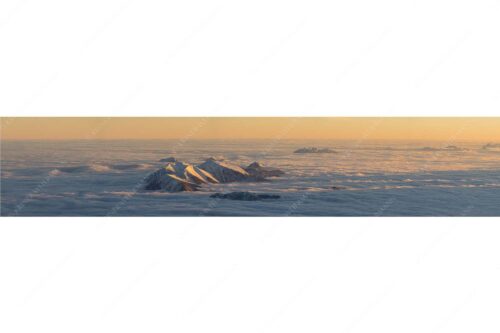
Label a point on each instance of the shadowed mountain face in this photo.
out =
(177, 177)
(257, 171)
(224, 172)
(180, 176)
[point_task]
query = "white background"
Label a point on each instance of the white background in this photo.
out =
(255, 58)
(182, 58)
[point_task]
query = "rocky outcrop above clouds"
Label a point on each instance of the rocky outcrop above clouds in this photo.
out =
(223, 171)
(179, 176)
(258, 171)
(314, 150)
(492, 147)
(168, 159)
(244, 196)
(446, 148)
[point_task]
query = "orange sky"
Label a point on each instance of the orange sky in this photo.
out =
(395, 128)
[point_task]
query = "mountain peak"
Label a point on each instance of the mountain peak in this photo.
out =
(180, 176)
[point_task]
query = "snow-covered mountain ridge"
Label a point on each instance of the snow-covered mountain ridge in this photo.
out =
(178, 176)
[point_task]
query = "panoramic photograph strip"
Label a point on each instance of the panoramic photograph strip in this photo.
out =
(250, 166)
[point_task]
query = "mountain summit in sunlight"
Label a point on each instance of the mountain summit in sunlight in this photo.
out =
(179, 176)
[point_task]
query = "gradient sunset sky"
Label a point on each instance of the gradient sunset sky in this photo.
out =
(71, 128)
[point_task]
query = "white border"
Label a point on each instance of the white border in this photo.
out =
(269, 58)
(251, 275)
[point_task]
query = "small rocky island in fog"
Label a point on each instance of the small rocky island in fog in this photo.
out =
(245, 196)
(178, 176)
(492, 146)
(314, 150)
(447, 148)
(168, 159)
